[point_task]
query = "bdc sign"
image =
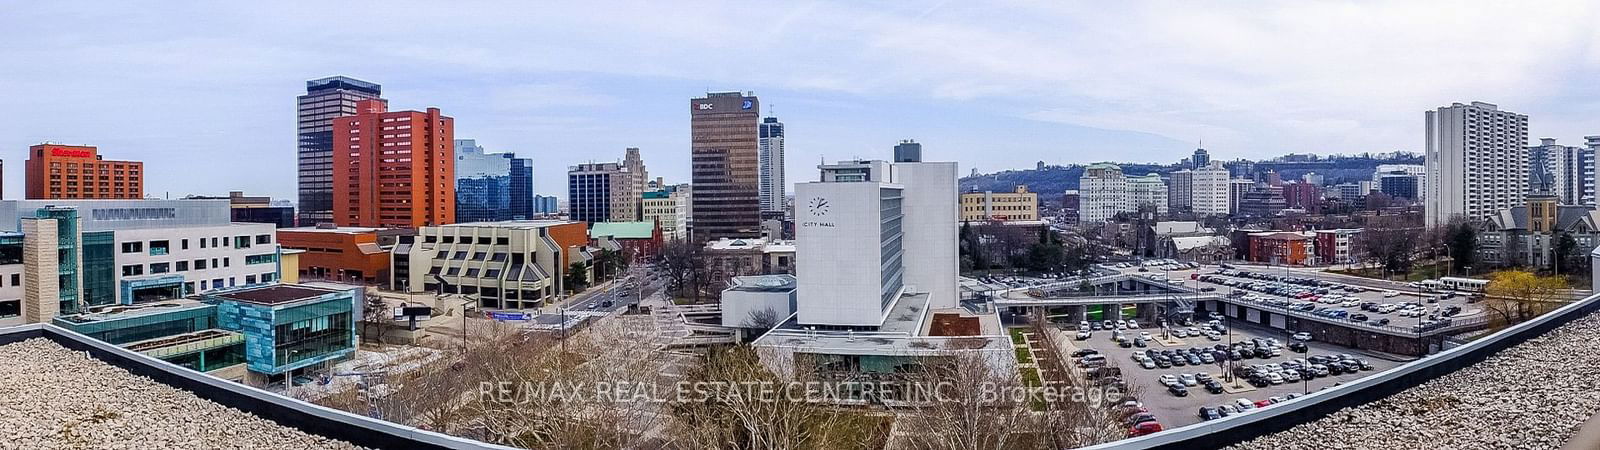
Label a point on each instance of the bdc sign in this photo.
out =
(707, 106)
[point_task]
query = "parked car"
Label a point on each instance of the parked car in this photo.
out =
(1209, 413)
(1178, 390)
(1144, 428)
(1302, 336)
(1188, 379)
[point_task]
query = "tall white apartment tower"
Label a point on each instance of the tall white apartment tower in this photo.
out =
(769, 154)
(1102, 193)
(1476, 159)
(1209, 190)
(1180, 193)
(1147, 191)
(1570, 169)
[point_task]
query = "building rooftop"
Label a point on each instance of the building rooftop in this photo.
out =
(764, 283)
(779, 247)
(119, 312)
(276, 294)
(135, 399)
(623, 230)
(55, 408)
(344, 230)
(517, 224)
(736, 244)
(903, 333)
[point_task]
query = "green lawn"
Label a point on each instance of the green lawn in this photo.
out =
(1024, 355)
(1418, 272)
(1016, 336)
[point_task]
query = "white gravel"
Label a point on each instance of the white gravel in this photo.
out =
(1533, 395)
(57, 398)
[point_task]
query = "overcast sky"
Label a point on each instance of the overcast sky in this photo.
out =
(203, 92)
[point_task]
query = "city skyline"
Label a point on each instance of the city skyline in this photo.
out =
(543, 84)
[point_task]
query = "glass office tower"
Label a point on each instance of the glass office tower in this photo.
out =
(491, 186)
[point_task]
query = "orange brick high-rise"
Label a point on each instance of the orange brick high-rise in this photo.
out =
(56, 171)
(393, 169)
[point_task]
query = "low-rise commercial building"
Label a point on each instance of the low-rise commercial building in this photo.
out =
(289, 327)
(510, 264)
(81, 254)
(330, 253)
(1281, 247)
(758, 301)
(669, 210)
(729, 258)
(1001, 206)
(255, 209)
(638, 240)
(1336, 246)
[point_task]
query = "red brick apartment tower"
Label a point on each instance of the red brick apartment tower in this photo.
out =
(393, 169)
(56, 171)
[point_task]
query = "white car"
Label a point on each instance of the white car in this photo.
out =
(1148, 363)
(1302, 336)
(1188, 379)
(1244, 404)
(1168, 380)
(1179, 334)
(1144, 335)
(1274, 378)
(1390, 294)
(1132, 325)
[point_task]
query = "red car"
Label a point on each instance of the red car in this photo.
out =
(1143, 428)
(1194, 276)
(1263, 403)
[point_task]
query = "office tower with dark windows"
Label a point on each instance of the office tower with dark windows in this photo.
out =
(1200, 159)
(591, 187)
(724, 159)
(771, 160)
(325, 99)
(492, 186)
(909, 151)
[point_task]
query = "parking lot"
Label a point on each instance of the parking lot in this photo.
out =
(1327, 297)
(1175, 411)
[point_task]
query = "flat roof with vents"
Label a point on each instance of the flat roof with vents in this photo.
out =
(276, 294)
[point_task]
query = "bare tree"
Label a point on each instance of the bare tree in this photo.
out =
(1389, 244)
(767, 418)
(684, 265)
(764, 319)
(962, 402)
(375, 313)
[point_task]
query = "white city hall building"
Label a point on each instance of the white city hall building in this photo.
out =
(876, 263)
